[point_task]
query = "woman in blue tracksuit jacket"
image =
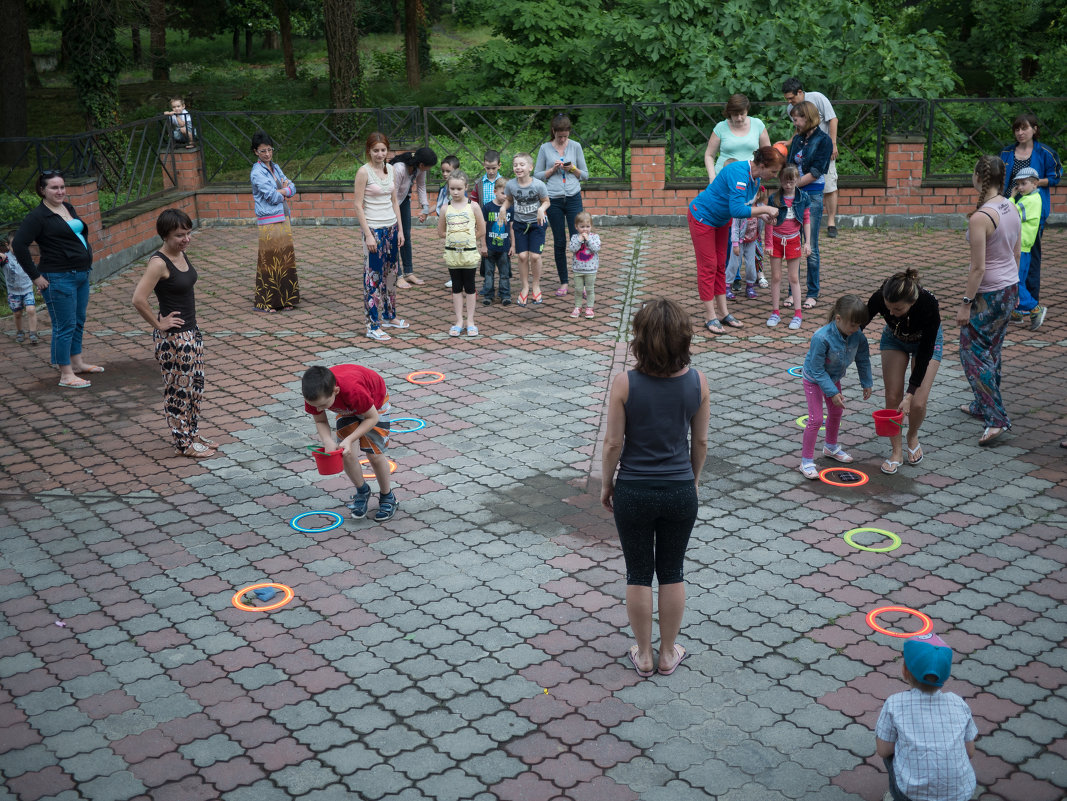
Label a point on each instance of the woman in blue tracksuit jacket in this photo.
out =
(1028, 152)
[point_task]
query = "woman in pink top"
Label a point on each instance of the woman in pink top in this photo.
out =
(992, 290)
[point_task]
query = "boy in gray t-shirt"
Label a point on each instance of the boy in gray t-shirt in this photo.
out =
(527, 198)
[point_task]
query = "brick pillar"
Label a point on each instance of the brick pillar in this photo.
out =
(188, 173)
(904, 175)
(648, 168)
(83, 195)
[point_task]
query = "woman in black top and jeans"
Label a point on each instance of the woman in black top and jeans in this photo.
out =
(657, 434)
(179, 344)
(912, 334)
(62, 274)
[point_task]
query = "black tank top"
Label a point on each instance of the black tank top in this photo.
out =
(175, 294)
(658, 415)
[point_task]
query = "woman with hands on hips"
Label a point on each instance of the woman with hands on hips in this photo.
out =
(179, 344)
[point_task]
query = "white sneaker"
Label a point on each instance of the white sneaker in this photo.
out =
(795, 323)
(397, 323)
(448, 285)
(378, 334)
(763, 283)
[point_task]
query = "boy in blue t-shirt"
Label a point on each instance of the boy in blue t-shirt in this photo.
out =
(499, 245)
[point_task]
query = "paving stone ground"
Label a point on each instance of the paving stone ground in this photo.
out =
(474, 646)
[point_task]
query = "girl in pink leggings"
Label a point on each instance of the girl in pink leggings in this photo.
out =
(833, 348)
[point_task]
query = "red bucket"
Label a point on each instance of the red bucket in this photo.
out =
(887, 422)
(330, 463)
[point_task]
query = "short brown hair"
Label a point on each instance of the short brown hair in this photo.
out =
(662, 336)
(851, 309)
(807, 110)
(768, 156)
(736, 104)
(1026, 118)
(170, 220)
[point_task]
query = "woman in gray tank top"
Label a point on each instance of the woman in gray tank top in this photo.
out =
(657, 437)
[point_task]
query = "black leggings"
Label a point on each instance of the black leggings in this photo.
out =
(654, 524)
(462, 279)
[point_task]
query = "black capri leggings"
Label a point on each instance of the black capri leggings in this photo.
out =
(462, 279)
(654, 523)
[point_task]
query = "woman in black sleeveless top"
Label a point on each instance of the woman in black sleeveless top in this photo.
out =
(179, 345)
(657, 435)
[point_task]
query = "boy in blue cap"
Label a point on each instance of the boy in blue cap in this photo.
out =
(926, 736)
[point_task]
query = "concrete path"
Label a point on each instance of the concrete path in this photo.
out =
(474, 647)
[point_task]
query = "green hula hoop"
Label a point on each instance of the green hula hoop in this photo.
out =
(892, 547)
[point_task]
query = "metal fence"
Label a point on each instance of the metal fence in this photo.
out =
(134, 162)
(960, 129)
(131, 162)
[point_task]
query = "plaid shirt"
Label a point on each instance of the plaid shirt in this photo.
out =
(930, 731)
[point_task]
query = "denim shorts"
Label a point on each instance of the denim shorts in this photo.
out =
(890, 342)
(20, 302)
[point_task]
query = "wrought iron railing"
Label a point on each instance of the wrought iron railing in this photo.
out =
(135, 161)
(316, 145)
(467, 132)
(131, 162)
(961, 129)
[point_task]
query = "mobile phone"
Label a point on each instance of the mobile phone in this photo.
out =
(566, 164)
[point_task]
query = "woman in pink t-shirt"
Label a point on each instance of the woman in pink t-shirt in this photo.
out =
(994, 233)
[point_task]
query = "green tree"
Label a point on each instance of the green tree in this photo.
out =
(697, 50)
(93, 58)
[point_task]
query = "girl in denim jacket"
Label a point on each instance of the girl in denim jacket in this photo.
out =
(833, 348)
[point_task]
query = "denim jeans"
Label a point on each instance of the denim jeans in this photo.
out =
(497, 262)
(67, 298)
(405, 226)
(894, 790)
(813, 259)
(563, 210)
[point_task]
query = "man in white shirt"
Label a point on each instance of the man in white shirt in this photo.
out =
(794, 94)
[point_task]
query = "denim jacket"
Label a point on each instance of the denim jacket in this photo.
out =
(801, 203)
(270, 200)
(817, 153)
(830, 354)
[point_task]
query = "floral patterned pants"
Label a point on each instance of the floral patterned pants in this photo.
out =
(181, 360)
(380, 276)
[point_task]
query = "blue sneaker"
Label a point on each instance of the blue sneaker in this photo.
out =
(387, 505)
(359, 501)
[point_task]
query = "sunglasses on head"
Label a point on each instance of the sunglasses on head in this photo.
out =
(52, 173)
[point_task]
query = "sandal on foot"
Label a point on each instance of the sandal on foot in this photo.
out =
(206, 442)
(715, 327)
(455, 331)
(809, 470)
(77, 383)
(561, 292)
(788, 302)
(990, 434)
(536, 300)
(809, 303)
(912, 458)
(732, 321)
(837, 453)
(644, 674)
(967, 409)
(416, 281)
(198, 450)
(889, 466)
(472, 330)
(90, 368)
(522, 299)
(681, 653)
(402, 284)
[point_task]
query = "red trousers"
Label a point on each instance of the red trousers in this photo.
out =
(712, 245)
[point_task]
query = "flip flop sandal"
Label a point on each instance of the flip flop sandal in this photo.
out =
(918, 449)
(889, 467)
(732, 321)
(91, 368)
(416, 281)
(644, 674)
(990, 434)
(682, 654)
(522, 300)
(810, 303)
(788, 302)
(714, 327)
(78, 383)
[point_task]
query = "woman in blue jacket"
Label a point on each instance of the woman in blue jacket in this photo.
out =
(277, 287)
(730, 195)
(810, 151)
(1028, 152)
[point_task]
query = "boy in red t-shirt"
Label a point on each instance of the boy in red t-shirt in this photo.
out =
(361, 401)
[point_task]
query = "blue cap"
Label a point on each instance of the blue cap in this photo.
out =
(928, 659)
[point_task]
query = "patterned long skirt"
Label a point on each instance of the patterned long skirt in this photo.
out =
(277, 286)
(181, 361)
(380, 272)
